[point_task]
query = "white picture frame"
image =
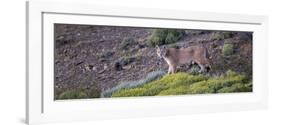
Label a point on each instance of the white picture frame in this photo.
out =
(42, 108)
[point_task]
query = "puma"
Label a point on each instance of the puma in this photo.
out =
(190, 55)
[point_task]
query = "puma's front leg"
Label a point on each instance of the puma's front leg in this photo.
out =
(169, 70)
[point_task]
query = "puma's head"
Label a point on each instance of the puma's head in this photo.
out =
(161, 51)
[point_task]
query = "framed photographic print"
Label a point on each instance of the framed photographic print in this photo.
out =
(91, 62)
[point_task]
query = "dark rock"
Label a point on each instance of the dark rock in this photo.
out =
(76, 64)
(118, 66)
(102, 60)
(243, 36)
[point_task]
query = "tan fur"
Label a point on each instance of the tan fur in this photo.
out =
(190, 55)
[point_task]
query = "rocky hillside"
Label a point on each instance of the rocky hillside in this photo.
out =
(96, 58)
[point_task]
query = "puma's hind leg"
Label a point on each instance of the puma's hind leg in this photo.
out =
(202, 68)
(174, 69)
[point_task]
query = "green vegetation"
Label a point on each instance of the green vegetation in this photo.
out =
(184, 83)
(127, 42)
(73, 94)
(222, 35)
(227, 49)
(165, 36)
(194, 70)
(126, 60)
(79, 93)
(105, 54)
(173, 46)
(133, 84)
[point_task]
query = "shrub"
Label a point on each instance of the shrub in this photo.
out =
(174, 91)
(123, 61)
(174, 46)
(158, 37)
(165, 36)
(93, 92)
(227, 49)
(127, 60)
(195, 32)
(230, 73)
(222, 35)
(132, 84)
(92, 89)
(194, 69)
(104, 54)
(73, 94)
(213, 85)
(227, 35)
(165, 83)
(130, 92)
(173, 36)
(127, 42)
(238, 87)
(184, 83)
(79, 93)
